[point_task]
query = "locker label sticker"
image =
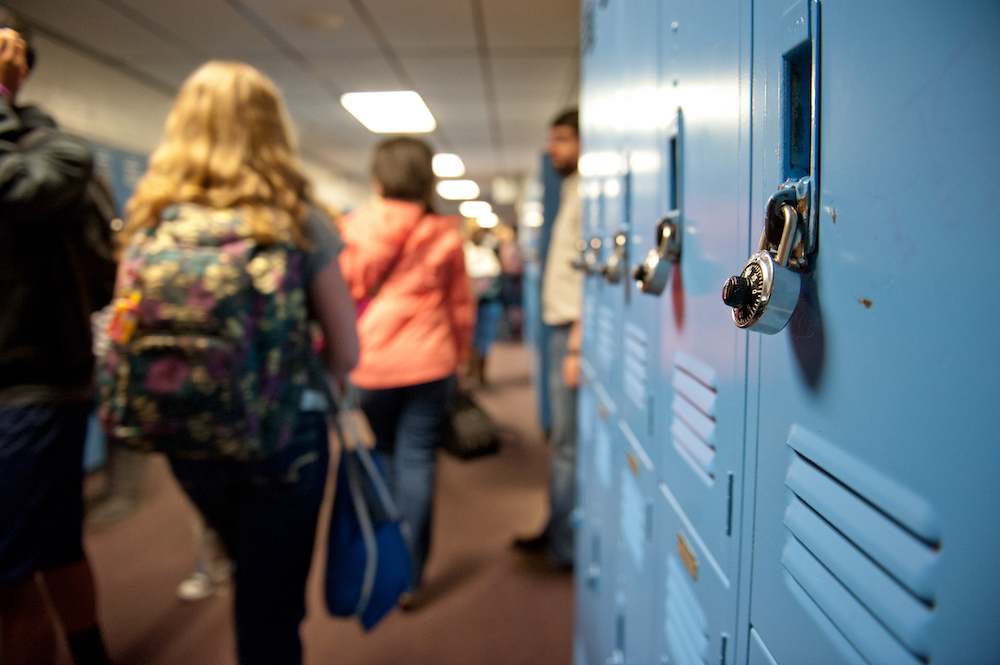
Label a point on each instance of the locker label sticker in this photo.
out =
(688, 556)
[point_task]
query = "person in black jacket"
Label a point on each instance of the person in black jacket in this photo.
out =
(46, 368)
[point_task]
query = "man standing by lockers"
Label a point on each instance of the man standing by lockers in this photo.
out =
(46, 365)
(562, 309)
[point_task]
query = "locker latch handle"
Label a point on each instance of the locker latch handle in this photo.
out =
(652, 275)
(615, 267)
(587, 261)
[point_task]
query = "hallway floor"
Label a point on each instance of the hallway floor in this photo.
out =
(484, 605)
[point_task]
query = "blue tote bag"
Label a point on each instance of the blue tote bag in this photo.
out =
(368, 565)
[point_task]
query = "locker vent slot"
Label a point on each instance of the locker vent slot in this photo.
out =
(693, 406)
(686, 625)
(605, 336)
(634, 370)
(602, 453)
(863, 548)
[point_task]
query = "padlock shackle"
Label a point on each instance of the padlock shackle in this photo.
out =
(791, 216)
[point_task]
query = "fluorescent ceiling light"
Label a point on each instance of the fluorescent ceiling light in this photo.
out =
(600, 164)
(488, 221)
(447, 165)
(533, 218)
(475, 208)
(456, 190)
(400, 112)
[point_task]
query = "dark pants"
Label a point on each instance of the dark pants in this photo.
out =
(409, 423)
(266, 512)
(41, 487)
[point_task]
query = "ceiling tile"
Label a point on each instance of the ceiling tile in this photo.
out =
(368, 74)
(212, 27)
(443, 23)
(299, 23)
(531, 23)
(461, 75)
(95, 25)
(531, 77)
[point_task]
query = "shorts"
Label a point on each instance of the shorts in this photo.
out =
(41, 487)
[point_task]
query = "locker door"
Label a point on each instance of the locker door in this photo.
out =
(702, 357)
(596, 526)
(876, 522)
(597, 496)
(604, 185)
(639, 117)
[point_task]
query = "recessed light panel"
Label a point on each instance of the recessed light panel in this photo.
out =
(458, 190)
(447, 165)
(487, 221)
(398, 112)
(475, 208)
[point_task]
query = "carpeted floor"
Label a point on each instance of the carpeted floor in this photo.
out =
(485, 606)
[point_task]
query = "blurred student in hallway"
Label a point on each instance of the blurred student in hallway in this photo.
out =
(223, 240)
(47, 295)
(405, 266)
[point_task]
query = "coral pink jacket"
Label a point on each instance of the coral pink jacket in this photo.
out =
(419, 326)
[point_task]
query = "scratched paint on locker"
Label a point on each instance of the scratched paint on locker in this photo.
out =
(635, 360)
(633, 518)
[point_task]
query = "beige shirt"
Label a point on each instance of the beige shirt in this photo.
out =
(562, 284)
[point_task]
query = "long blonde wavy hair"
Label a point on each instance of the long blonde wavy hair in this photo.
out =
(227, 144)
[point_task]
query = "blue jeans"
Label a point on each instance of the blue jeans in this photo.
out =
(266, 513)
(409, 423)
(562, 471)
(488, 315)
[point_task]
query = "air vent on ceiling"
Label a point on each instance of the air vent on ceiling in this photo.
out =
(693, 427)
(686, 623)
(864, 549)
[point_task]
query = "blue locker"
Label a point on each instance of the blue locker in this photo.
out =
(596, 524)
(875, 524)
(639, 120)
(636, 567)
(702, 356)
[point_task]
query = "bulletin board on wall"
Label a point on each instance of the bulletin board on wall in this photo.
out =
(121, 168)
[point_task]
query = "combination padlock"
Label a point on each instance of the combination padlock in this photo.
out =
(615, 267)
(652, 275)
(764, 295)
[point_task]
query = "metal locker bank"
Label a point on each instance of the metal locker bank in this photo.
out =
(788, 452)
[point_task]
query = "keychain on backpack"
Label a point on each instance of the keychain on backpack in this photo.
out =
(124, 318)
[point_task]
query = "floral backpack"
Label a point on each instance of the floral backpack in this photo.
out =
(209, 340)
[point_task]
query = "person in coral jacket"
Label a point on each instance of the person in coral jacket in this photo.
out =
(406, 270)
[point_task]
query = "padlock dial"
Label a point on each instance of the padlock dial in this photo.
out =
(754, 294)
